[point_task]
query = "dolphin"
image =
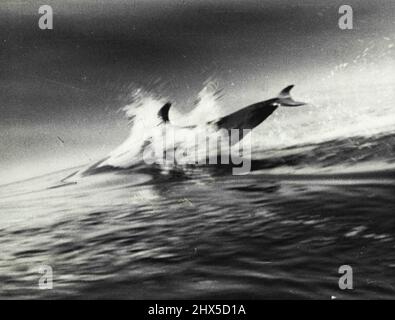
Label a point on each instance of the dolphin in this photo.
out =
(248, 117)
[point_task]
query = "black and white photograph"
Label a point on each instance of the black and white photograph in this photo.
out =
(231, 150)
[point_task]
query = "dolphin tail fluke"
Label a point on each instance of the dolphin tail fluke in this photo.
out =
(285, 99)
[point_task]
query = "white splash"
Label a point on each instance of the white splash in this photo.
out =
(148, 133)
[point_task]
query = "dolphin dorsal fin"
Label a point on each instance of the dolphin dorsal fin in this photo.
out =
(163, 113)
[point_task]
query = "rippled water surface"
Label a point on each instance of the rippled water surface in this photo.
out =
(204, 234)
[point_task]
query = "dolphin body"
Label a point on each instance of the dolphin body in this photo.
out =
(248, 117)
(245, 118)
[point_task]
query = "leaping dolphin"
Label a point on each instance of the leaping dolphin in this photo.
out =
(245, 118)
(248, 117)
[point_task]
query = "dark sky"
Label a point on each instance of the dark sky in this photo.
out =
(69, 82)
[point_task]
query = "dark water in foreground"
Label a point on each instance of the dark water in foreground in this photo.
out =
(141, 234)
